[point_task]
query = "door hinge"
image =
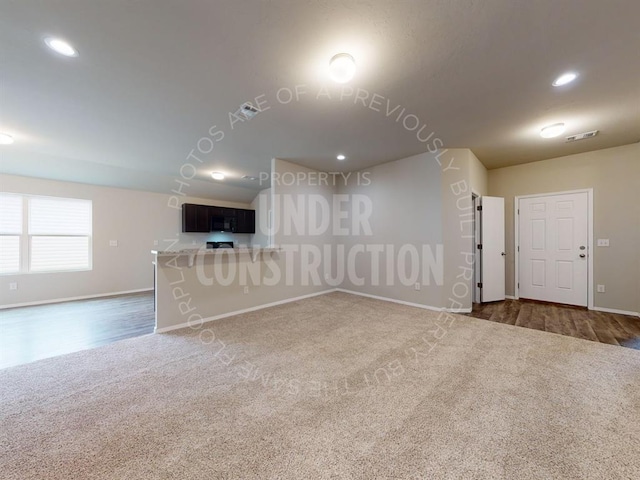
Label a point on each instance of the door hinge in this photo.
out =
(479, 246)
(479, 207)
(479, 284)
(518, 211)
(518, 247)
(518, 284)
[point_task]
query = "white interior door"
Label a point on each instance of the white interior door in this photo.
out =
(492, 256)
(553, 237)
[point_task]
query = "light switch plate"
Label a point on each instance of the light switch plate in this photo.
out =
(113, 243)
(600, 288)
(603, 242)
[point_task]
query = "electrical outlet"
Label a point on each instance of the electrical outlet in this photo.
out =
(326, 277)
(13, 286)
(246, 290)
(417, 286)
(600, 288)
(155, 243)
(603, 242)
(113, 243)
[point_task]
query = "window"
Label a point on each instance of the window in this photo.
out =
(58, 234)
(10, 232)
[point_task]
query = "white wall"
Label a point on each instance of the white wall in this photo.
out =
(406, 211)
(262, 205)
(478, 175)
(289, 236)
(614, 175)
(134, 218)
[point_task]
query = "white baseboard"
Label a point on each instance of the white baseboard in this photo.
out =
(71, 299)
(402, 302)
(614, 310)
(295, 299)
(510, 297)
(245, 310)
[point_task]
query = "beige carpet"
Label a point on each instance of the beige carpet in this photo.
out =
(335, 391)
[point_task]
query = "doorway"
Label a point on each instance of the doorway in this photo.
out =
(553, 247)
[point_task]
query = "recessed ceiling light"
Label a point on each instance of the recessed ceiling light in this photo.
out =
(342, 67)
(217, 175)
(551, 131)
(5, 139)
(341, 157)
(61, 46)
(565, 78)
(249, 177)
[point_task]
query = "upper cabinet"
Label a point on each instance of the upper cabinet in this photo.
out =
(196, 218)
(246, 221)
(200, 218)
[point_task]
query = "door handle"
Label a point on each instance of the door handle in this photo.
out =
(503, 254)
(582, 255)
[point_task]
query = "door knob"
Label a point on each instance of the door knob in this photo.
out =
(503, 254)
(582, 255)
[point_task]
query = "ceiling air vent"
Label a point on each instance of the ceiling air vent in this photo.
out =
(247, 110)
(582, 136)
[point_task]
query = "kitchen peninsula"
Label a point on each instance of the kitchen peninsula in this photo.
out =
(193, 286)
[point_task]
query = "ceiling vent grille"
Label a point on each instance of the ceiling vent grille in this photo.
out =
(582, 136)
(247, 111)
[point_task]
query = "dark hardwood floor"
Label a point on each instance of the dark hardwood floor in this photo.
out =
(611, 328)
(32, 333)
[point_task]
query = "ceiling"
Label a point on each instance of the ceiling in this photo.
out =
(154, 76)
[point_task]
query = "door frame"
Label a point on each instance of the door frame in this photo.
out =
(477, 272)
(590, 251)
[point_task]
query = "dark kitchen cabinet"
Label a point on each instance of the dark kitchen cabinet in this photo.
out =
(246, 221)
(199, 218)
(196, 218)
(222, 212)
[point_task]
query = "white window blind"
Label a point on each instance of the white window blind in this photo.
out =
(59, 216)
(54, 254)
(10, 230)
(9, 254)
(60, 234)
(10, 214)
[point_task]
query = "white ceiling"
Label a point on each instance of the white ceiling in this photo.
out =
(154, 75)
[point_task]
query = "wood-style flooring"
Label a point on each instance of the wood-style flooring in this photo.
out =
(611, 328)
(32, 333)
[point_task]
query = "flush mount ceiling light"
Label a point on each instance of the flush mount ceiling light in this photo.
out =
(341, 157)
(342, 67)
(61, 46)
(217, 175)
(551, 131)
(564, 79)
(249, 177)
(5, 139)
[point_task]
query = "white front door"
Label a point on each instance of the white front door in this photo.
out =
(553, 237)
(492, 264)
